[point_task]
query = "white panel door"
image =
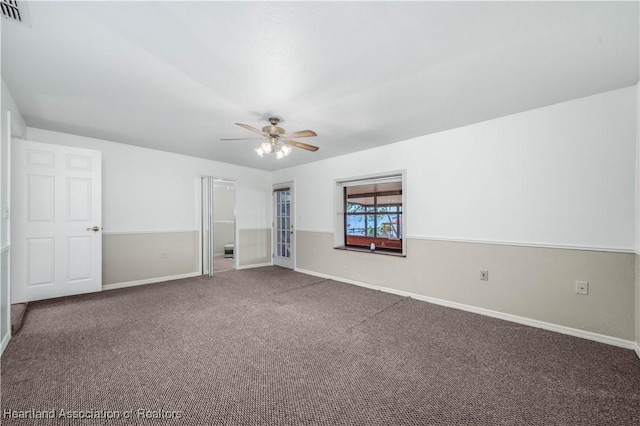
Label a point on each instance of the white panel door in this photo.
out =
(57, 238)
(283, 238)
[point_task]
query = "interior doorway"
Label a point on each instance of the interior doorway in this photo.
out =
(57, 221)
(219, 252)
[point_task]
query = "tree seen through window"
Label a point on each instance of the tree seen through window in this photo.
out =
(373, 213)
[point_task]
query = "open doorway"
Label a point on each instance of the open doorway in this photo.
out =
(219, 252)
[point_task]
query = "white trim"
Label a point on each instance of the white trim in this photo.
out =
(5, 341)
(317, 231)
(614, 341)
(637, 174)
(281, 185)
(149, 281)
(255, 265)
(207, 235)
(501, 243)
(521, 244)
(169, 231)
(284, 262)
(637, 349)
(8, 206)
(338, 201)
(374, 180)
(372, 177)
(8, 186)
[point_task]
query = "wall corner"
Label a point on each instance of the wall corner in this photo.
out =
(637, 222)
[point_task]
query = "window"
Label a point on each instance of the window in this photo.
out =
(372, 213)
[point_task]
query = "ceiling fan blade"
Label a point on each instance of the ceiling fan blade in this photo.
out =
(302, 145)
(301, 134)
(253, 129)
(242, 139)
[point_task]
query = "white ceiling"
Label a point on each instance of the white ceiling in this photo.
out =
(175, 76)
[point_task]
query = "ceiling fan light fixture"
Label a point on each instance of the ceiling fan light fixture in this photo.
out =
(266, 147)
(276, 139)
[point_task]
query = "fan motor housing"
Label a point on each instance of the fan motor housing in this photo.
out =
(273, 130)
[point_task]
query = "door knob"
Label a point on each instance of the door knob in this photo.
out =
(94, 229)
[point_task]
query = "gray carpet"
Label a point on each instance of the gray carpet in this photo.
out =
(223, 264)
(18, 311)
(272, 346)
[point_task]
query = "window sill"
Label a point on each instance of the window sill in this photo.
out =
(364, 250)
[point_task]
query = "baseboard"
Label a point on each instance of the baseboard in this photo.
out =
(614, 341)
(149, 281)
(167, 231)
(4, 343)
(255, 265)
(637, 349)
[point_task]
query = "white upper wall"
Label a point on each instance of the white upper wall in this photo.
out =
(562, 175)
(149, 190)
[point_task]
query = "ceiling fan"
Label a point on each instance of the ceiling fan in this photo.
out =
(276, 139)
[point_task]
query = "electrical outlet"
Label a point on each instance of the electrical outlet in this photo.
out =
(484, 275)
(582, 287)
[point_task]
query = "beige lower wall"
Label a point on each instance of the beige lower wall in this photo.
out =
(531, 282)
(223, 234)
(638, 304)
(142, 256)
(254, 246)
(5, 306)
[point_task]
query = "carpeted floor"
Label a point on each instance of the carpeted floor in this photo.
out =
(223, 264)
(18, 311)
(272, 346)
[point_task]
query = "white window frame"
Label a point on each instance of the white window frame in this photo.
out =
(338, 203)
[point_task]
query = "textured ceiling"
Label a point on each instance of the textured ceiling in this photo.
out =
(175, 76)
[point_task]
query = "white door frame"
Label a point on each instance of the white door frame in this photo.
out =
(278, 260)
(207, 236)
(206, 239)
(5, 250)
